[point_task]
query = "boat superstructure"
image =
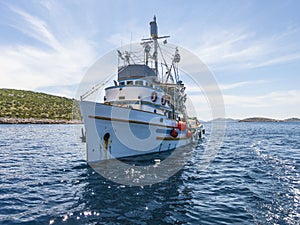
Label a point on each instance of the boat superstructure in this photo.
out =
(144, 111)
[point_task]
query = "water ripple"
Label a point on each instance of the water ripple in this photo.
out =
(254, 179)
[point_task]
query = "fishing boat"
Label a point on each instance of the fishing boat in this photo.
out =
(144, 111)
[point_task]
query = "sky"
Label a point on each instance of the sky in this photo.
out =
(251, 47)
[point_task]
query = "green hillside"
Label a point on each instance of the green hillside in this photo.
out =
(29, 104)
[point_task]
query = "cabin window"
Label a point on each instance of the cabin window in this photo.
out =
(147, 84)
(130, 82)
(139, 83)
(122, 83)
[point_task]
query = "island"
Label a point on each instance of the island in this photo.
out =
(29, 107)
(253, 119)
(262, 119)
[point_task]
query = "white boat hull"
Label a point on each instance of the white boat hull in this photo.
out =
(116, 132)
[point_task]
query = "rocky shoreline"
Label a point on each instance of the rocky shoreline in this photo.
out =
(4, 120)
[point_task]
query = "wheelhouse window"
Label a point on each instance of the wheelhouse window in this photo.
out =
(122, 83)
(130, 82)
(139, 82)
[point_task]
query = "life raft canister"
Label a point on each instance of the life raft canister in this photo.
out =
(153, 96)
(163, 100)
(181, 126)
(174, 133)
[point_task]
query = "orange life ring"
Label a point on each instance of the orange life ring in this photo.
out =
(174, 133)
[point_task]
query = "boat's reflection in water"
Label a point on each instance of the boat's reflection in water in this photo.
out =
(110, 202)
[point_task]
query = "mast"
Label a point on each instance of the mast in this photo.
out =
(154, 39)
(154, 36)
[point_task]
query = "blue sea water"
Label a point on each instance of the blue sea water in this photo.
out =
(254, 179)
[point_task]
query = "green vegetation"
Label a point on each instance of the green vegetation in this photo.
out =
(29, 104)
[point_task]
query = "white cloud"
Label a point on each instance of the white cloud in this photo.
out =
(279, 59)
(195, 90)
(246, 101)
(277, 104)
(59, 62)
(285, 98)
(241, 84)
(129, 33)
(290, 97)
(37, 29)
(27, 67)
(118, 39)
(239, 49)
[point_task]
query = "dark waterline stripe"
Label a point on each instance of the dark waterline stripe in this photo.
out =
(171, 138)
(129, 121)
